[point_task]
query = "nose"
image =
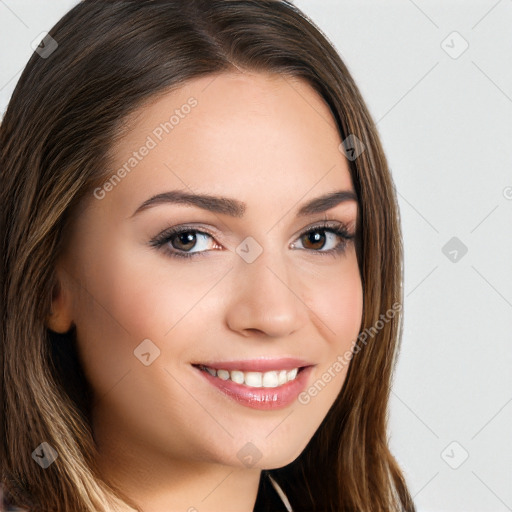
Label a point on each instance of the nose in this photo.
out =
(266, 297)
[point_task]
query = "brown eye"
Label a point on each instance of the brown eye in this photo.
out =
(325, 239)
(188, 242)
(314, 240)
(184, 241)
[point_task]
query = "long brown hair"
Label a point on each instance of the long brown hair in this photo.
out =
(65, 113)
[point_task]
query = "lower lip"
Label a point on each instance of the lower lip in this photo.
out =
(261, 398)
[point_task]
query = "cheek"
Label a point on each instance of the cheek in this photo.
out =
(338, 301)
(125, 299)
(338, 305)
(113, 315)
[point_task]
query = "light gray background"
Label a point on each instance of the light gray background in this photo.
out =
(446, 127)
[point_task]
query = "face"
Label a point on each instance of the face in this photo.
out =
(253, 287)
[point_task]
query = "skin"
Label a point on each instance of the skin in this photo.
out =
(166, 436)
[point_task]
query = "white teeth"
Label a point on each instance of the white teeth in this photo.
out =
(223, 374)
(211, 371)
(292, 374)
(253, 379)
(270, 379)
(237, 376)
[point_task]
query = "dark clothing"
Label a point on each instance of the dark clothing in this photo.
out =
(268, 500)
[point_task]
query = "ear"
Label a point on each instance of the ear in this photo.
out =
(60, 318)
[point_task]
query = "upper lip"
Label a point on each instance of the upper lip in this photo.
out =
(257, 365)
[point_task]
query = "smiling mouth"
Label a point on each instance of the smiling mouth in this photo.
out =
(251, 379)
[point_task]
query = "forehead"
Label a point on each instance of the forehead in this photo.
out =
(230, 133)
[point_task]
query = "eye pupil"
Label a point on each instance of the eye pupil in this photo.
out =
(187, 237)
(315, 237)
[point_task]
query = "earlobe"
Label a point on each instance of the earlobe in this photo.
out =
(60, 318)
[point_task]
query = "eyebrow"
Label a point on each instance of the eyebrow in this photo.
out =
(236, 208)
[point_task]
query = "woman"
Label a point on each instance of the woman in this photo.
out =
(201, 267)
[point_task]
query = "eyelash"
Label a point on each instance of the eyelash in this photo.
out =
(339, 229)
